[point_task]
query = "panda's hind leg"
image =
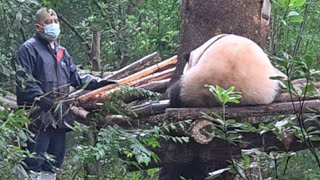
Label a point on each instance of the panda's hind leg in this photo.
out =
(174, 94)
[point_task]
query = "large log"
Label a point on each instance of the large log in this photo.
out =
(136, 66)
(101, 93)
(151, 108)
(156, 86)
(7, 101)
(179, 114)
(201, 131)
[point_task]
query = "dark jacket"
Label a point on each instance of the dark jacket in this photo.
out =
(44, 71)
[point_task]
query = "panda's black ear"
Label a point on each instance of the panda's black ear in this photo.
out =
(186, 56)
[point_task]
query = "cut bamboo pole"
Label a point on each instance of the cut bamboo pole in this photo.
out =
(148, 71)
(80, 112)
(101, 93)
(136, 66)
(153, 77)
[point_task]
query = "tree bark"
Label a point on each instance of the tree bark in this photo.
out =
(203, 19)
(95, 51)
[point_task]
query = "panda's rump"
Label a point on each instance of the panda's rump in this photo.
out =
(232, 61)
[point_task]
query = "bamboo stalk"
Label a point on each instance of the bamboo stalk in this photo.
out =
(156, 86)
(154, 77)
(148, 71)
(101, 93)
(136, 66)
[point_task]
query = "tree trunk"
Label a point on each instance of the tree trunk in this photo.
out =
(94, 168)
(203, 19)
(95, 51)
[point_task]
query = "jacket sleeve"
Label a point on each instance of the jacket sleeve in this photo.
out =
(82, 80)
(27, 85)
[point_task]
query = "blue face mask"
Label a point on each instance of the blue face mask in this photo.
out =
(51, 31)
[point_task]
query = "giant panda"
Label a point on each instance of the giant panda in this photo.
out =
(226, 60)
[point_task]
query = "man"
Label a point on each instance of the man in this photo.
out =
(48, 70)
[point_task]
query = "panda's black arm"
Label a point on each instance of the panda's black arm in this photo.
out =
(186, 56)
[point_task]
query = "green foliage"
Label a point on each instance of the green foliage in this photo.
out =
(118, 103)
(275, 164)
(226, 129)
(224, 96)
(16, 17)
(129, 29)
(13, 136)
(132, 146)
(295, 43)
(6, 73)
(295, 31)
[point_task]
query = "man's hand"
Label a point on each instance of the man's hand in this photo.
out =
(45, 104)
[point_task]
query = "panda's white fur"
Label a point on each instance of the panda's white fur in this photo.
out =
(229, 61)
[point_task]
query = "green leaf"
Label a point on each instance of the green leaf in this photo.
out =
(309, 61)
(20, 112)
(296, 19)
(299, 3)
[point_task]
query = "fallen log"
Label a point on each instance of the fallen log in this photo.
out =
(201, 131)
(285, 97)
(156, 86)
(11, 97)
(81, 113)
(136, 66)
(6, 101)
(309, 106)
(151, 108)
(153, 77)
(179, 114)
(102, 93)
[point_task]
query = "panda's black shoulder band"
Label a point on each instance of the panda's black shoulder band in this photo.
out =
(186, 56)
(224, 35)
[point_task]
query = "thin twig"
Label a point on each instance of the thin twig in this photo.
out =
(74, 30)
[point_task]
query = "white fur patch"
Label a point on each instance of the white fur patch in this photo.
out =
(231, 61)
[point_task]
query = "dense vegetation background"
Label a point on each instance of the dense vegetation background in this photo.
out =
(129, 31)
